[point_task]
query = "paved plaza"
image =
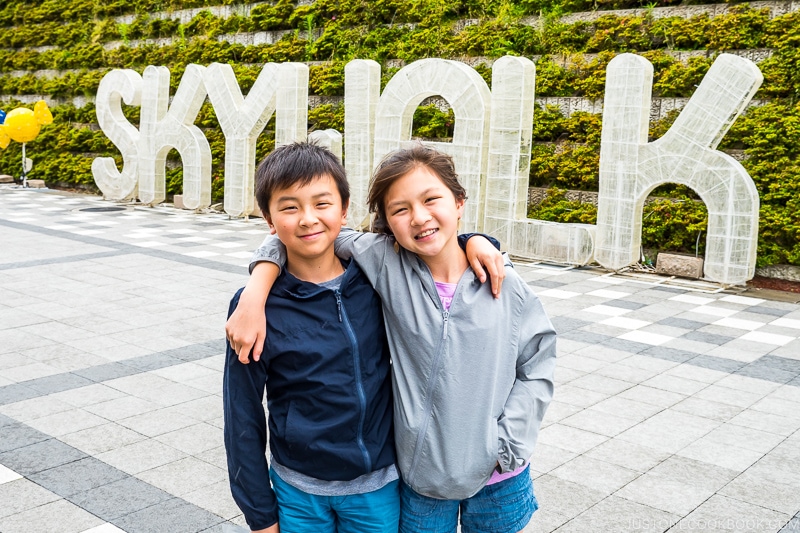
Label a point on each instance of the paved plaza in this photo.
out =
(677, 406)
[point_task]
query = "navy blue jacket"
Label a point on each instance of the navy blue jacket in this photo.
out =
(325, 366)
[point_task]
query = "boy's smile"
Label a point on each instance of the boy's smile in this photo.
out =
(307, 219)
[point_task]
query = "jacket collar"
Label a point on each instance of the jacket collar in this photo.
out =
(289, 285)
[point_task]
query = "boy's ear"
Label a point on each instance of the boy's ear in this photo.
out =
(345, 207)
(268, 218)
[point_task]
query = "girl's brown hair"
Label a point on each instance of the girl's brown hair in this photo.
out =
(396, 165)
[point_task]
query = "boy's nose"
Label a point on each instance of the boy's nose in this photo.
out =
(308, 218)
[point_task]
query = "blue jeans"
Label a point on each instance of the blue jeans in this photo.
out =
(504, 507)
(370, 512)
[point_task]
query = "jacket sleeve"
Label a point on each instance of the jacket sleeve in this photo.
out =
(464, 237)
(518, 426)
(368, 250)
(245, 436)
(272, 250)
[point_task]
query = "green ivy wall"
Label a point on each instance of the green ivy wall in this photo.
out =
(60, 49)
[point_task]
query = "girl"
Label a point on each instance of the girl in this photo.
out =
(472, 374)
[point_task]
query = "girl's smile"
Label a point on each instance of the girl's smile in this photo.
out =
(423, 214)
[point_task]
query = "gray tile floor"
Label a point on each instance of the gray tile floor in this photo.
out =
(677, 407)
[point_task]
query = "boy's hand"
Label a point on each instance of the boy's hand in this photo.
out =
(246, 329)
(483, 257)
(270, 529)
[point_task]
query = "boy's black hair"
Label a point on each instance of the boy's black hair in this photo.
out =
(298, 163)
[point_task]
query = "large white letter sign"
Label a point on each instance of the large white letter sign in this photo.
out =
(630, 168)
(467, 94)
(243, 119)
(507, 174)
(117, 86)
(164, 127)
(362, 88)
(330, 139)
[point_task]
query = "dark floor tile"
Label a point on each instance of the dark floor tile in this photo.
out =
(766, 310)
(16, 392)
(40, 456)
(585, 336)
(782, 363)
(626, 345)
(545, 284)
(58, 383)
(716, 363)
(669, 354)
(18, 435)
(681, 323)
(625, 304)
(79, 476)
(189, 244)
(153, 361)
(198, 351)
(668, 289)
(120, 498)
(562, 324)
(167, 517)
(106, 372)
(766, 373)
(710, 338)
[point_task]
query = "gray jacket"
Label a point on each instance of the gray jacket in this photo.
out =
(471, 385)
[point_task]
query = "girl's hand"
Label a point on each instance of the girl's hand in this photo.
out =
(246, 329)
(483, 257)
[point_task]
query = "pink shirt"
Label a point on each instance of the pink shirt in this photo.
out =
(446, 292)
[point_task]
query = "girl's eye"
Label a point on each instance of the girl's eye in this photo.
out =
(431, 199)
(399, 211)
(288, 208)
(323, 204)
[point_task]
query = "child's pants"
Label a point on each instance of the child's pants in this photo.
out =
(370, 512)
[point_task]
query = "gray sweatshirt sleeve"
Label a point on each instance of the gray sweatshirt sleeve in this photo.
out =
(272, 250)
(368, 249)
(518, 426)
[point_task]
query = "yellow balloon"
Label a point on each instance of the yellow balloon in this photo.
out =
(21, 125)
(42, 113)
(4, 139)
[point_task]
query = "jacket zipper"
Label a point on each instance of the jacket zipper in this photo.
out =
(431, 384)
(362, 399)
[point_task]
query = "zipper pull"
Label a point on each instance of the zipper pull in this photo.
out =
(338, 303)
(446, 316)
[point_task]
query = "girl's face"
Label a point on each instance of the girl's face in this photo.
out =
(423, 213)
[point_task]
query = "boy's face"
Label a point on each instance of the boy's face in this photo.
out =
(307, 218)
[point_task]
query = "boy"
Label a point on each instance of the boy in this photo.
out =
(325, 366)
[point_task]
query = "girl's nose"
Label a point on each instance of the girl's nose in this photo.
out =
(420, 216)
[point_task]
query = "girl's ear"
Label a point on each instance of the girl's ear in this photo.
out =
(345, 207)
(460, 207)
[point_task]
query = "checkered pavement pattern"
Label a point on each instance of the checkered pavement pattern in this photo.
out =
(677, 403)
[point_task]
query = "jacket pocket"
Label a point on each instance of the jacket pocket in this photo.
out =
(293, 433)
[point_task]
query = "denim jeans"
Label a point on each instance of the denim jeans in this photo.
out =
(505, 507)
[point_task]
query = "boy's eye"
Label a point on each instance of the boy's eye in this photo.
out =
(431, 199)
(323, 204)
(399, 211)
(288, 208)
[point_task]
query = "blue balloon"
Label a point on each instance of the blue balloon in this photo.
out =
(2, 116)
